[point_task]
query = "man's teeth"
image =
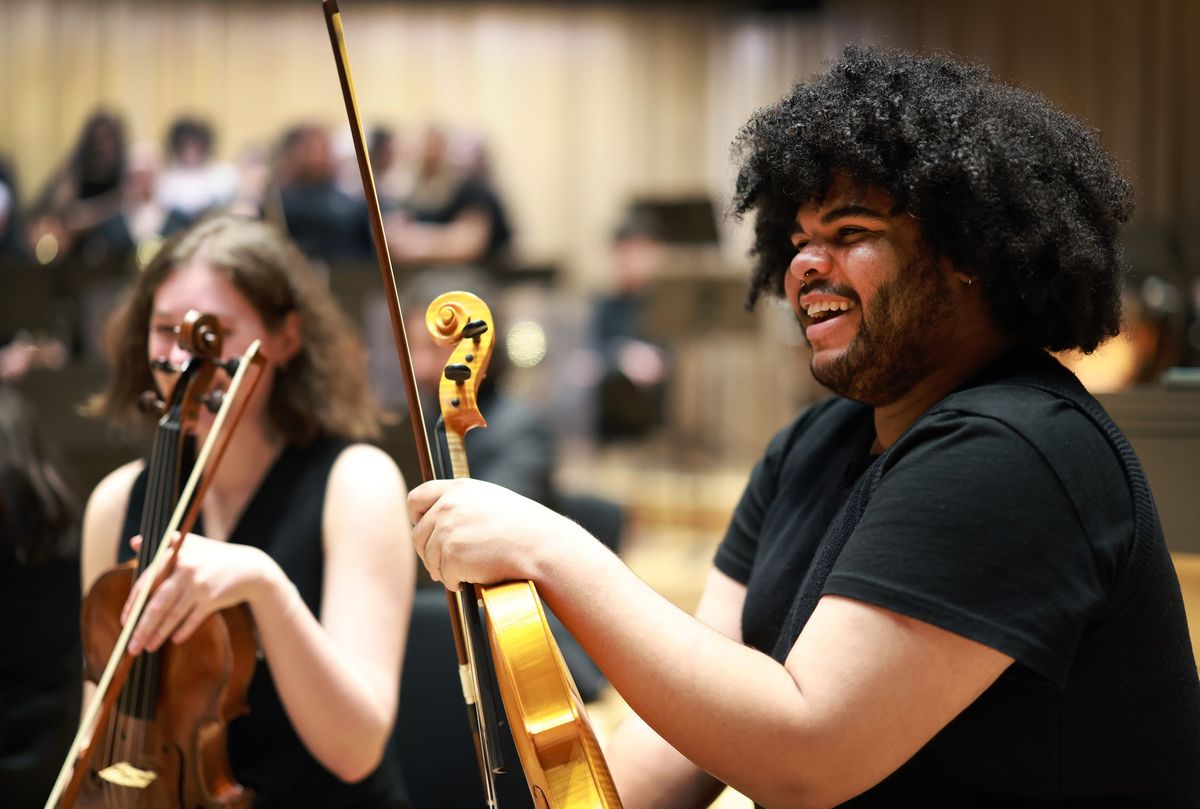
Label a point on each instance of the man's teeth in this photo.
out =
(814, 309)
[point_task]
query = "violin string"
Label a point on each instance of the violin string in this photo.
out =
(119, 748)
(157, 501)
(163, 494)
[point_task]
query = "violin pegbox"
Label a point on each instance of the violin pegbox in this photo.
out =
(461, 320)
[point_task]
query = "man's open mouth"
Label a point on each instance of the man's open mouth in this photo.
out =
(822, 311)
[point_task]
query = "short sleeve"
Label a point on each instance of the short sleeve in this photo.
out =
(735, 555)
(971, 529)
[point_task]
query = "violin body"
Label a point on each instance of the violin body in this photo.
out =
(554, 739)
(203, 683)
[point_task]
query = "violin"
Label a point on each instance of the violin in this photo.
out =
(154, 732)
(559, 754)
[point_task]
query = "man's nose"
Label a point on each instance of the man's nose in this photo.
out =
(809, 263)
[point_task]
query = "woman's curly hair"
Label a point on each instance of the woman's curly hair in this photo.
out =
(1009, 188)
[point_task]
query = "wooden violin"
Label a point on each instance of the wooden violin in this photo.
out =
(558, 750)
(559, 754)
(154, 731)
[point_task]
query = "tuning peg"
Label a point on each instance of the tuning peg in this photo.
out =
(164, 365)
(149, 403)
(214, 400)
(474, 329)
(230, 365)
(457, 372)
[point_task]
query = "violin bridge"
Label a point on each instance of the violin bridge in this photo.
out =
(124, 774)
(468, 683)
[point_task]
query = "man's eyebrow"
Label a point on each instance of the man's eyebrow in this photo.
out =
(837, 213)
(851, 210)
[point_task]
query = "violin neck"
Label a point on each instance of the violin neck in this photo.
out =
(139, 695)
(458, 455)
(162, 489)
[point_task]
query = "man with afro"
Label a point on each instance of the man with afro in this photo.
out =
(947, 585)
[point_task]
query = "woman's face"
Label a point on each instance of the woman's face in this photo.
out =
(197, 285)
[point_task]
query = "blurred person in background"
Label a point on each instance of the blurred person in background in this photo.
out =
(193, 182)
(82, 193)
(389, 163)
(326, 222)
(11, 234)
(633, 368)
(257, 193)
(451, 213)
(143, 220)
(39, 600)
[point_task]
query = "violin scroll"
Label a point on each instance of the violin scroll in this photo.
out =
(200, 335)
(462, 320)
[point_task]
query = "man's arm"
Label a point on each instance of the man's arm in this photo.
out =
(649, 772)
(862, 690)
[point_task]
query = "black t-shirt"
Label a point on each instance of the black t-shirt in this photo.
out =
(470, 194)
(1003, 515)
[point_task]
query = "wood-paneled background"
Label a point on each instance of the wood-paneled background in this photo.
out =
(583, 104)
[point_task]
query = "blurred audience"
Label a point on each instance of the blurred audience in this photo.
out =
(633, 369)
(450, 214)
(325, 221)
(193, 182)
(142, 221)
(391, 166)
(257, 192)
(39, 597)
(11, 242)
(82, 193)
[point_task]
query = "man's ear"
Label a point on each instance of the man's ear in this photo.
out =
(956, 273)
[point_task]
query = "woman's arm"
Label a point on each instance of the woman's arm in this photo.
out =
(339, 677)
(861, 691)
(342, 693)
(103, 518)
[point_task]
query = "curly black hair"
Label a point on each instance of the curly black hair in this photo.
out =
(1009, 188)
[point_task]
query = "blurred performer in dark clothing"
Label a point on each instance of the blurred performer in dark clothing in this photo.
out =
(451, 214)
(39, 601)
(325, 221)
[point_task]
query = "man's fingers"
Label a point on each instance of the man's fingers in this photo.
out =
(423, 497)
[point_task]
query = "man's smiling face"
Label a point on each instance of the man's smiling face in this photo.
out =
(874, 307)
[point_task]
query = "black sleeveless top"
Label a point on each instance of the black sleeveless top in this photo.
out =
(284, 519)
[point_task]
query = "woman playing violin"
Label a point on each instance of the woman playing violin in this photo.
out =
(303, 522)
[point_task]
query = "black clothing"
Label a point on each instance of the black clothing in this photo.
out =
(39, 676)
(326, 222)
(1005, 515)
(284, 518)
(467, 194)
(627, 409)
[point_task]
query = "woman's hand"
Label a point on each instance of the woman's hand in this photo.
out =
(477, 532)
(208, 577)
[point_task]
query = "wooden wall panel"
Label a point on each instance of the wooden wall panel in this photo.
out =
(583, 104)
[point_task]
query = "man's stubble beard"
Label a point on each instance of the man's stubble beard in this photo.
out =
(900, 344)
